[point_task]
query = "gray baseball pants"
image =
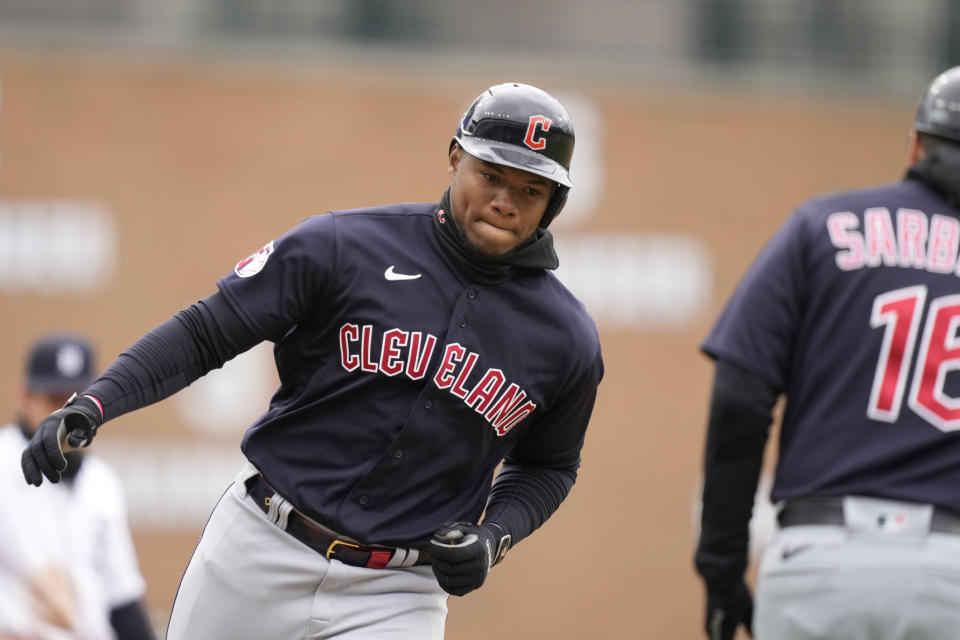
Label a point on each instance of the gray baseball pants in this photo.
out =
(882, 575)
(248, 579)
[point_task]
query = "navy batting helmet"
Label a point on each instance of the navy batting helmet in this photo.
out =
(939, 111)
(523, 127)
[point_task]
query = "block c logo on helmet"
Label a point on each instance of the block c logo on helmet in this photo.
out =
(534, 139)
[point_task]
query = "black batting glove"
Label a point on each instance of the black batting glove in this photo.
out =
(728, 607)
(462, 553)
(76, 423)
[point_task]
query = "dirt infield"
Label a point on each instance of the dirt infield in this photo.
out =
(201, 164)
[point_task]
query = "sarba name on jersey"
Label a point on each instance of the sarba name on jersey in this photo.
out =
(916, 240)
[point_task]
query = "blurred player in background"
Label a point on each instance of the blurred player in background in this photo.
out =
(68, 569)
(852, 312)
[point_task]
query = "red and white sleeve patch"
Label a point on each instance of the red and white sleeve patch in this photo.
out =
(252, 264)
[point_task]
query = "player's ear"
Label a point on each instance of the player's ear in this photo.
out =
(914, 150)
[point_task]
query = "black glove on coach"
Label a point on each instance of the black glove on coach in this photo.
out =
(462, 553)
(728, 608)
(77, 422)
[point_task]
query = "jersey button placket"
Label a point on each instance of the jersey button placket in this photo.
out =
(472, 294)
(363, 500)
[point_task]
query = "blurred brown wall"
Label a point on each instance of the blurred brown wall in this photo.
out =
(202, 163)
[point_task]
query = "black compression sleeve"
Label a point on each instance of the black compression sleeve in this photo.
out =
(739, 423)
(197, 340)
(130, 622)
(523, 497)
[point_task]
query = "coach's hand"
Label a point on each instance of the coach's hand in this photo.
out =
(726, 609)
(74, 425)
(462, 554)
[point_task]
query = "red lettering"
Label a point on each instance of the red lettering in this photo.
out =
(417, 359)
(514, 418)
(881, 241)
(457, 388)
(452, 355)
(502, 409)
(348, 333)
(411, 353)
(841, 227)
(390, 362)
(942, 252)
(488, 387)
(534, 139)
(366, 363)
(939, 355)
(911, 237)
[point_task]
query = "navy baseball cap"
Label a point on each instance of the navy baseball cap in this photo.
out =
(59, 364)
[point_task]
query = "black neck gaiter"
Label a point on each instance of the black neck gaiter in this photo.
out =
(536, 252)
(939, 169)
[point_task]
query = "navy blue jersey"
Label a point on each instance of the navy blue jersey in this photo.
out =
(852, 311)
(402, 385)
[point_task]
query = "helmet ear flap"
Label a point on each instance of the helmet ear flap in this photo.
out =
(557, 200)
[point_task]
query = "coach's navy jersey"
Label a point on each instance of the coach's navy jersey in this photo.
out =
(852, 310)
(402, 385)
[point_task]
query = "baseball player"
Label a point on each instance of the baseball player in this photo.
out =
(68, 569)
(851, 311)
(418, 345)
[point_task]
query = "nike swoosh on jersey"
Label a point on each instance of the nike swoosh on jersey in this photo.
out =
(390, 274)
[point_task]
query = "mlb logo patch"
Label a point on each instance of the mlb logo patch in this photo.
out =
(892, 522)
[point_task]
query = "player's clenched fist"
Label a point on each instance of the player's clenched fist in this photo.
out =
(76, 424)
(462, 554)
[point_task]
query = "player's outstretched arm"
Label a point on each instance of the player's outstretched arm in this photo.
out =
(197, 340)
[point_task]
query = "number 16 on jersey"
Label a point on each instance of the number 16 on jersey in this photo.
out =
(900, 312)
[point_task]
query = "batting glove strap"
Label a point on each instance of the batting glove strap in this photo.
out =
(504, 542)
(76, 423)
(462, 554)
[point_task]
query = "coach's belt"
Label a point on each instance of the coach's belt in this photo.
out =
(328, 543)
(829, 510)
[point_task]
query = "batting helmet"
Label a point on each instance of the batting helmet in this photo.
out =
(520, 126)
(939, 111)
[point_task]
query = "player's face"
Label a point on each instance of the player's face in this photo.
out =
(497, 207)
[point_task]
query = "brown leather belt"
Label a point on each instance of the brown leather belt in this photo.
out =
(326, 542)
(829, 510)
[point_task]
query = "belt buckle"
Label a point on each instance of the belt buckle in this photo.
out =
(333, 545)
